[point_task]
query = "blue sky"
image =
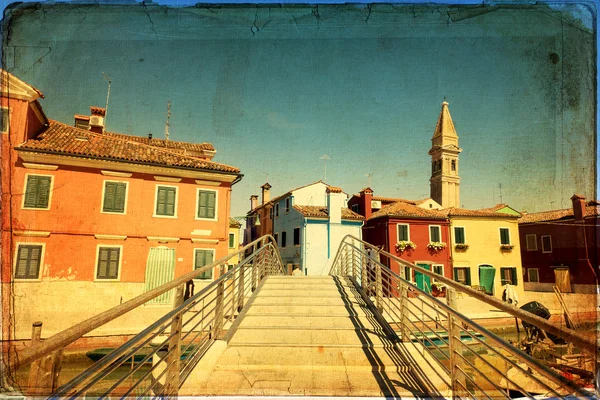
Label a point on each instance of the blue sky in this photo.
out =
(276, 88)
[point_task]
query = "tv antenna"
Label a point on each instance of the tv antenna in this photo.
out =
(107, 96)
(500, 187)
(168, 117)
(325, 157)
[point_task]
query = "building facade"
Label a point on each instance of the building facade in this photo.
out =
(561, 248)
(91, 219)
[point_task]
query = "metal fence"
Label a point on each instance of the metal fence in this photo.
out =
(156, 361)
(478, 363)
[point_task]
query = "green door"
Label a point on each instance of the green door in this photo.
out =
(423, 281)
(160, 269)
(486, 278)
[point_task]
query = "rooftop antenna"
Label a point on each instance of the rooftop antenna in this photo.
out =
(325, 157)
(500, 187)
(168, 117)
(369, 176)
(107, 96)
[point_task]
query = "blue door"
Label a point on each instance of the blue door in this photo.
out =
(423, 281)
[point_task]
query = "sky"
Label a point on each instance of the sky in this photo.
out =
(276, 88)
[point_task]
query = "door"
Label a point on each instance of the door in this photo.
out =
(160, 269)
(562, 277)
(423, 281)
(487, 273)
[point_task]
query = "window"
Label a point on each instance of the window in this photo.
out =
(459, 235)
(435, 233)
(271, 213)
(296, 236)
(438, 269)
(108, 263)
(504, 236)
(462, 275)
(508, 275)
(547, 244)
(37, 191)
(207, 204)
(276, 237)
(114, 197)
(403, 232)
(453, 163)
(407, 274)
(29, 259)
(4, 117)
(533, 275)
(276, 210)
(232, 240)
(166, 200)
(283, 239)
(287, 205)
(202, 258)
(355, 208)
(531, 241)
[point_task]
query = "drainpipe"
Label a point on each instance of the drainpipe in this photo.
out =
(304, 246)
(450, 251)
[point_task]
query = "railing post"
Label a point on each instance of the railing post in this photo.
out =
(453, 342)
(364, 281)
(173, 357)
(240, 300)
(350, 265)
(378, 288)
(43, 373)
(218, 322)
(404, 315)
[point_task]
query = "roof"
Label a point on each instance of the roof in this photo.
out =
(11, 86)
(403, 209)
(234, 223)
(484, 212)
(275, 199)
(555, 215)
(63, 139)
(321, 212)
(444, 126)
(334, 189)
(393, 200)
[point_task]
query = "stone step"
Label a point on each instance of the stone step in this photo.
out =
(321, 337)
(305, 285)
(251, 357)
(307, 310)
(307, 301)
(308, 321)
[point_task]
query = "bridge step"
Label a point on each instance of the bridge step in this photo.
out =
(306, 321)
(326, 337)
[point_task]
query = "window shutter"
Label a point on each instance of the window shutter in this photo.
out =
(119, 205)
(102, 263)
(113, 264)
(170, 202)
(231, 240)
(456, 274)
(161, 201)
(202, 202)
(43, 192)
(22, 261)
(109, 197)
(504, 239)
(513, 275)
(468, 276)
(210, 207)
(31, 191)
(199, 259)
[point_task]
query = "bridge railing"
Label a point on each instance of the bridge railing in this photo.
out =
(478, 363)
(157, 360)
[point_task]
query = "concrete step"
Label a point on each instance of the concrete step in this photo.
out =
(307, 301)
(308, 321)
(252, 357)
(313, 337)
(317, 310)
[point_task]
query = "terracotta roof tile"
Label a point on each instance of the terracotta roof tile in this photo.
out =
(334, 189)
(405, 209)
(555, 215)
(321, 212)
(65, 139)
(393, 200)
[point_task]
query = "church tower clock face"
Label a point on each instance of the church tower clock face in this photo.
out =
(445, 181)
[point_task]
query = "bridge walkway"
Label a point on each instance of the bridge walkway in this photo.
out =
(313, 336)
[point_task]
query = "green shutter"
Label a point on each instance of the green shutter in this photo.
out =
(165, 201)
(459, 235)
(202, 202)
(102, 263)
(108, 263)
(170, 201)
(402, 232)
(109, 197)
(119, 204)
(468, 276)
(513, 276)
(37, 191)
(206, 204)
(231, 240)
(504, 236)
(160, 269)
(28, 262)
(456, 274)
(204, 257)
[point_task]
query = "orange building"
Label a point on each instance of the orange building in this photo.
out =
(91, 218)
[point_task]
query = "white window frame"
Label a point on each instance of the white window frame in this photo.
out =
(154, 214)
(537, 270)
(50, 192)
(542, 240)
(116, 246)
(433, 270)
(464, 234)
(216, 218)
(500, 235)
(16, 260)
(527, 242)
(126, 198)
(508, 267)
(9, 109)
(463, 268)
(229, 240)
(407, 231)
(440, 229)
(194, 262)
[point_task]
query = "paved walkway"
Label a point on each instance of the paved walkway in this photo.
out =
(314, 336)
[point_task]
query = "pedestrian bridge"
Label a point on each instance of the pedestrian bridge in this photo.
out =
(361, 331)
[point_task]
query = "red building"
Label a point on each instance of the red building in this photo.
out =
(412, 230)
(560, 248)
(92, 218)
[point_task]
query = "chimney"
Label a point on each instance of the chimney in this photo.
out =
(366, 196)
(253, 202)
(578, 207)
(82, 121)
(266, 193)
(97, 119)
(335, 203)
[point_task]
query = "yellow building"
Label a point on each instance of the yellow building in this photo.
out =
(234, 240)
(485, 248)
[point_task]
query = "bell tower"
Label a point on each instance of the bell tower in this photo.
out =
(444, 181)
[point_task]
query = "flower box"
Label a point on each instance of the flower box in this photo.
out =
(405, 245)
(436, 246)
(461, 246)
(506, 247)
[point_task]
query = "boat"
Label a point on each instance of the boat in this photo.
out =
(440, 338)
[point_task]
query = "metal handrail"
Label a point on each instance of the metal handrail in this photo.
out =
(259, 247)
(391, 296)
